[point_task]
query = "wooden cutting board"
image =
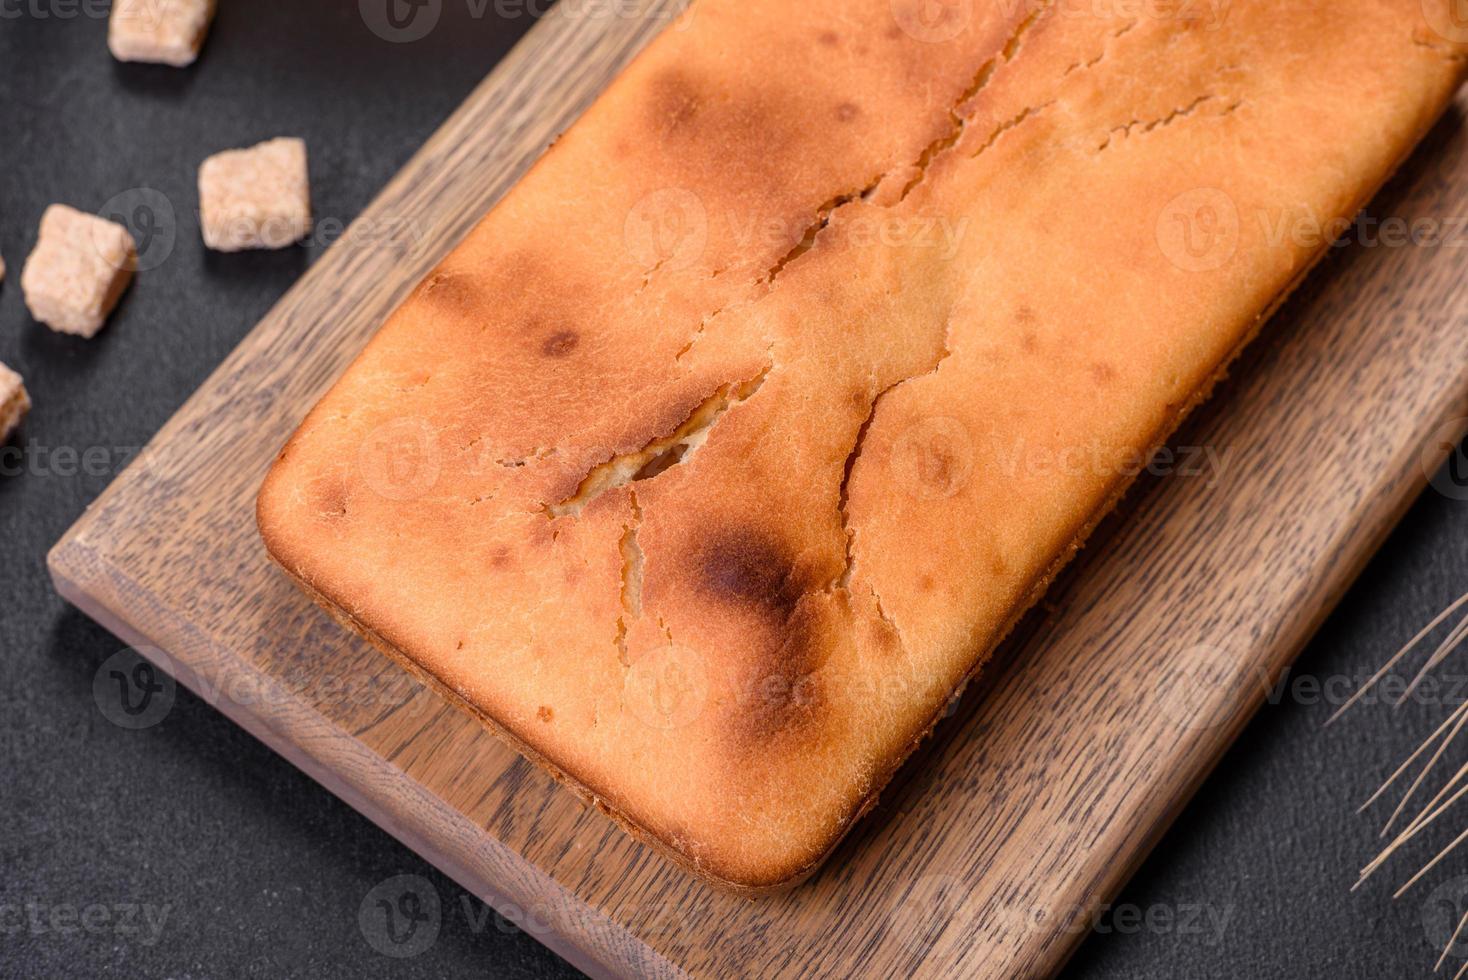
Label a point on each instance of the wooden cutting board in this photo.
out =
(1030, 806)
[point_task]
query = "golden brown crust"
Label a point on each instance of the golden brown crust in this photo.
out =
(706, 469)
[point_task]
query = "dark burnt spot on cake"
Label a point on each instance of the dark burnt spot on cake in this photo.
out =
(329, 497)
(751, 131)
(847, 111)
(432, 282)
(674, 102)
(781, 694)
(745, 567)
(781, 704)
(560, 344)
(884, 635)
(545, 713)
(455, 291)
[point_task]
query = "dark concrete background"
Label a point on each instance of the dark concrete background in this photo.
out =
(254, 869)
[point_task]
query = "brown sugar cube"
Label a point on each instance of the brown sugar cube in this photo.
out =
(166, 32)
(255, 198)
(14, 402)
(79, 269)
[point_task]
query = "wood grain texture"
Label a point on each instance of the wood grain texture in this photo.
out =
(1032, 803)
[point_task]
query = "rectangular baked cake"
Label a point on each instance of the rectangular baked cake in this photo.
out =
(721, 454)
